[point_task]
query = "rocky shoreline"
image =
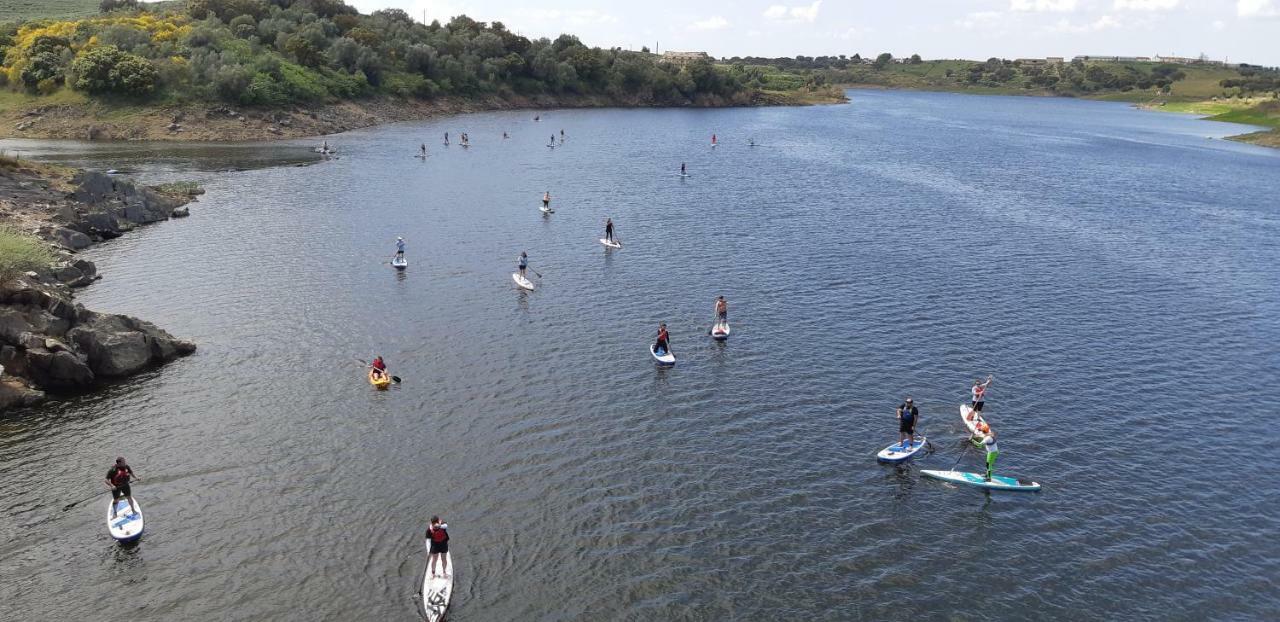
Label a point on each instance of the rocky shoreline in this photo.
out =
(93, 120)
(48, 342)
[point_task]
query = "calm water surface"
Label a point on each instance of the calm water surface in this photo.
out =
(1117, 271)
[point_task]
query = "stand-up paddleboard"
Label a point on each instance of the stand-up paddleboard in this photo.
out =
(546, 210)
(682, 175)
(902, 451)
(720, 331)
(521, 281)
(421, 156)
(971, 422)
(998, 482)
(400, 264)
(666, 358)
(552, 145)
(127, 525)
(436, 591)
(611, 244)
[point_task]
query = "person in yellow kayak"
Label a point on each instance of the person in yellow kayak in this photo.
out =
(378, 369)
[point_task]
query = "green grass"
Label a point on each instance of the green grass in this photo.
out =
(20, 252)
(1265, 114)
(21, 10)
(18, 100)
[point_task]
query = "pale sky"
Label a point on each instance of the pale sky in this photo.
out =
(1238, 30)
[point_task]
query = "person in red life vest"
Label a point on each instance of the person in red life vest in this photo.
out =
(661, 346)
(118, 481)
(438, 547)
(379, 368)
(979, 392)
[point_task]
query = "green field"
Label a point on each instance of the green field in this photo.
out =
(19, 10)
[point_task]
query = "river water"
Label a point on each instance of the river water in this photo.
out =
(1116, 270)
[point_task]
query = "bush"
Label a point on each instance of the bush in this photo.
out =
(20, 252)
(108, 70)
(264, 91)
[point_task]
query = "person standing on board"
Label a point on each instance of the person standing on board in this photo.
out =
(438, 547)
(713, 139)
(446, 138)
(118, 481)
(504, 136)
(399, 248)
(993, 451)
(524, 263)
(662, 345)
(608, 229)
(423, 150)
(546, 199)
(979, 392)
(722, 310)
(682, 168)
(908, 415)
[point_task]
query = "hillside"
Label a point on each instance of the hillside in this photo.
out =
(199, 59)
(14, 10)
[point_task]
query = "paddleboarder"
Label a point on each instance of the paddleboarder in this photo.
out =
(438, 547)
(118, 481)
(908, 415)
(979, 393)
(608, 229)
(399, 248)
(546, 199)
(722, 310)
(446, 138)
(682, 169)
(989, 443)
(524, 263)
(660, 346)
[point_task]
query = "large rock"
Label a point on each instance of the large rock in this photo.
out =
(61, 371)
(118, 345)
(14, 394)
(71, 239)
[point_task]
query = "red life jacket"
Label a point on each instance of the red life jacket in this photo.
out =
(120, 477)
(439, 535)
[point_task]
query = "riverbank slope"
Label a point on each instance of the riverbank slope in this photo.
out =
(48, 342)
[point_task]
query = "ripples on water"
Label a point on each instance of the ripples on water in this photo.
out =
(1115, 271)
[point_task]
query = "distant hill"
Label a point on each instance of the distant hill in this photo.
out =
(14, 10)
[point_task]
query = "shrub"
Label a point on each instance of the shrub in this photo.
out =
(108, 70)
(20, 252)
(263, 90)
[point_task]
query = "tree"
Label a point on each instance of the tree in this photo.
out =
(107, 6)
(106, 69)
(882, 61)
(915, 59)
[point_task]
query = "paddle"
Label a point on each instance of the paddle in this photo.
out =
(395, 379)
(963, 449)
(74, 504)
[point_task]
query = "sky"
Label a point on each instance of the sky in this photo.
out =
(1236, 30)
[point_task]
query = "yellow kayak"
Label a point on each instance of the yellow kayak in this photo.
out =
(379, 382)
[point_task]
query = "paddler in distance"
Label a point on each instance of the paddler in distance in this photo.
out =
(399, 248)
(523, 263)
(908, 415)
(978, 394)
(661, 346)
(722, 310)
(608, 229)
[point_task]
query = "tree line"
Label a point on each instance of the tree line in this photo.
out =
(274, 52)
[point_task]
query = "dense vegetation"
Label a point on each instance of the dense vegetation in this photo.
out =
(275, 52)
(1076, 78)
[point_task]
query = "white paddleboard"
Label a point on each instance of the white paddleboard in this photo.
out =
(682, 174)
(720, 331)
(521, 281)
(613, 244)
(127, 525)
(900, 451)
(436, 591)
(546, 210)
(971, 421)
(400, 264)
(998, 482)
(669, 358)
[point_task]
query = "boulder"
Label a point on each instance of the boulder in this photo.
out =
(13, 323)
(181, 212)
(71, 239)
(118, 345)
(60, 371)
(14, 394)
(103, 223)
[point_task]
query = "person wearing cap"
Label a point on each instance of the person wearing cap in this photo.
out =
(118, 481)
(908, 415)
(979, 393)
(399, 248)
